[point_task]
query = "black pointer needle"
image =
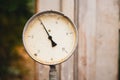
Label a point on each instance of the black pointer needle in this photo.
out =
(49, 37)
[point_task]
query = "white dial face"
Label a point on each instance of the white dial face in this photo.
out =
(49, 37)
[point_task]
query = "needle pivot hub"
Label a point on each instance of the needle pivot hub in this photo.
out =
(52, 42)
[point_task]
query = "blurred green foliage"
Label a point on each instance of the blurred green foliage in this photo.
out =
(13, 16)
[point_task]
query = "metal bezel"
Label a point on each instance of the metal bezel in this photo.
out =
(59, 13)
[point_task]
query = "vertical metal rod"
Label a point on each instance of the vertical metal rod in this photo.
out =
(76, 20)
(53, 73)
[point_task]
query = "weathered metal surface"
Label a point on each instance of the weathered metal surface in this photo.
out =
(67, 67)
(107, 40)
(53, 73)
(49, 5)
(98, 39)
(87, 40)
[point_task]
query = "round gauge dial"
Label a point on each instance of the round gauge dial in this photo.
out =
(50, 37)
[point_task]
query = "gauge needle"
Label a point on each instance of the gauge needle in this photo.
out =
(49, 36)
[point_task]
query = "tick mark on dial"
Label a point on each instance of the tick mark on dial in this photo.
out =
(56, 22)
(35, 54)
(51, 59)
(63, 49)
(31, 36)
(69, 33)
(49, 30)
(38, 51)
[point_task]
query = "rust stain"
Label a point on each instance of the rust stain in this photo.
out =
(82, 56)
(83, 47)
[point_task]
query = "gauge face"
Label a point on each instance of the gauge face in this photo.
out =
(49, 37)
